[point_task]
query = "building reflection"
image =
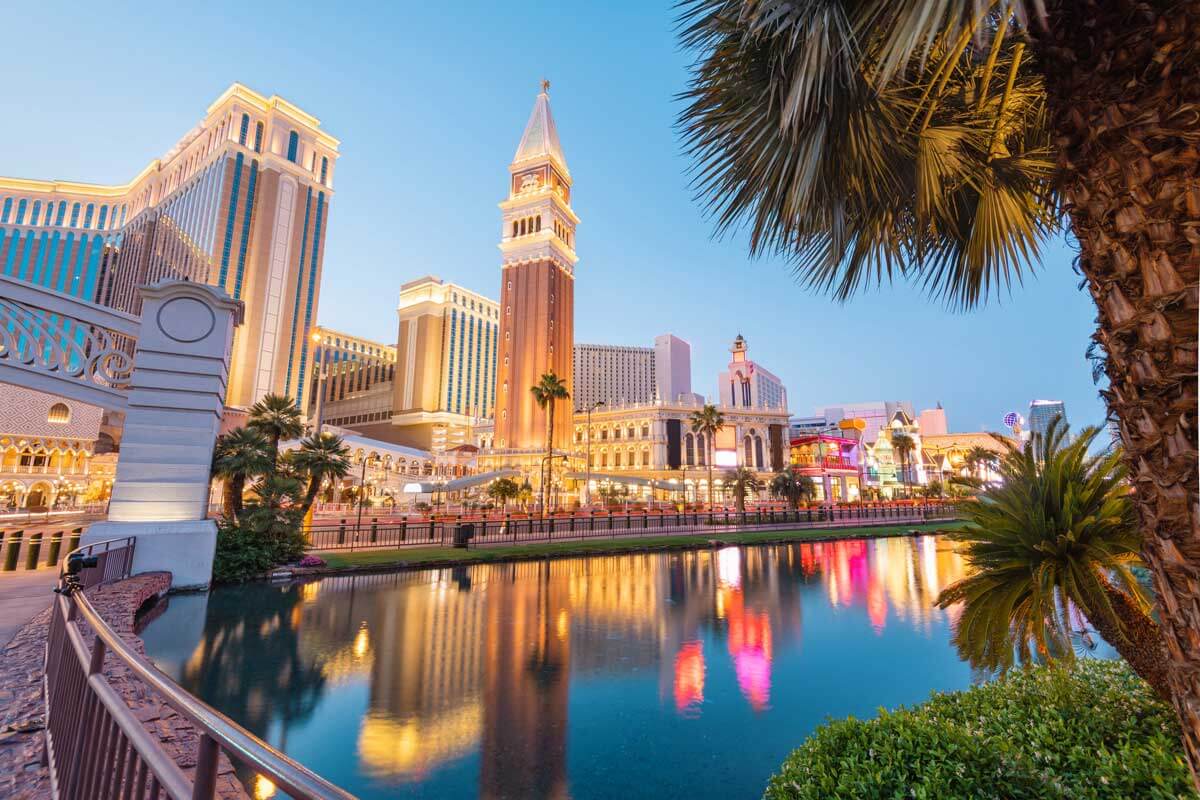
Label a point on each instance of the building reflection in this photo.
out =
(478, 662)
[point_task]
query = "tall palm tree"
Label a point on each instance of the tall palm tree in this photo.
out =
(277, 417)
(320, 457)
(1058, 535)
(742, 481)
(941, 143)
(793, 487)
(237, 456)
(547, 391)
(707, 422)
(904, 447)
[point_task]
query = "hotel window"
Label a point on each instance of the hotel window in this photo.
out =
(617, 459)
(324, 169)
(645, 431)
(258, 137)
(645, 458)
(293, 144)
(689, 455)
(59, 413)
(87, 217)
(75, 215)
(245, 129)
(703, 446)
(21, 212)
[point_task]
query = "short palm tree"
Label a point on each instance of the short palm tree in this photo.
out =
(503, 489)
(547, 392)
(278, 418)
(239, 455)
(793, 487)
(742, 481)
(707, 422)
(1057, 537)
(904, 446)
(979, 460)
(941, 143)
(320, 457)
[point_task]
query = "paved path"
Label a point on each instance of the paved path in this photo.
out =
(23, 595)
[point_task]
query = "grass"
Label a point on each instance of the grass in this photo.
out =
(433, 556)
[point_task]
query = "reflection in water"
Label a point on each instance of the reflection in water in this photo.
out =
(475, 675)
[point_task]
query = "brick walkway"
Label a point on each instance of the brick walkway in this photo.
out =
(22, 718)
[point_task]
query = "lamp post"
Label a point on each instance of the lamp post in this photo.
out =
(545, 474)
(316, 337)
(362, 481)
(587, 484)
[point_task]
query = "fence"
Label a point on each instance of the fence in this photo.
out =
(373, 533)
(96, 748)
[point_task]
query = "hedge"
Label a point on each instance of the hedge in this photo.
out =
(1089, 730)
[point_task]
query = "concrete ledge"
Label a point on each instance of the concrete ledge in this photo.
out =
(185, 549)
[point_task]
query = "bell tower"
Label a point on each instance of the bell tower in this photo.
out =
(537, 286)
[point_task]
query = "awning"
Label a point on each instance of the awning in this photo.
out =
(458, 484)
(629, 480)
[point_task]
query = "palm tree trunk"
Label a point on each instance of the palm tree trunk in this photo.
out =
(1136, 637)
(1122, 93)
(237, 488)
(310, 496)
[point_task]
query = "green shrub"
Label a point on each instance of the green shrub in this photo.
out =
(1092, 730)
(266, 534)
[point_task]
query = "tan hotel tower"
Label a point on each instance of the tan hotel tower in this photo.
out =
(537, 289)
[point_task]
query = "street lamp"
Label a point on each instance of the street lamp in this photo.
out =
(587, 484)
(316, 337)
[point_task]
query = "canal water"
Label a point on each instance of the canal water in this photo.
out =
(687, 674)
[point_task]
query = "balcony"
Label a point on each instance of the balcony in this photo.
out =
(825, 463)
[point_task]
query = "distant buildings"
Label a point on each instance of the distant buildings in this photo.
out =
(352, 377)
(875, 414)
(746, 384)
(612, 375)
(47, 446)
(1042, 413)
(932, 421)
(672, 369)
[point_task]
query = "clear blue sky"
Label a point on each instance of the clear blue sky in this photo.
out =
(430, 101)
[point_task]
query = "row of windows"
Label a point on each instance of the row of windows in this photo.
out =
(470, 303)
(630, 459)
(51, 213)
(630, 432)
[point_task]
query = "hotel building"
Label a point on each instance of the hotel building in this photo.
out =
(47, 446)
(632, 375)
(241, 202)
(353, 378)
(446, 358)
(1042, 413)
(746, 384)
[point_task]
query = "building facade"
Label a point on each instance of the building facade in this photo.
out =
(446, 353)
(47, 445)
(537, 287)
(241, 202)
(746, 384)
(611, 374)
(1042, 413)
(672, 368)
(876, 415)
(353, 378)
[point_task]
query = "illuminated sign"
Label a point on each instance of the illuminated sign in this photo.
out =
(725, 458)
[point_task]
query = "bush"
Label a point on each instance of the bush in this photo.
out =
(1091, 730)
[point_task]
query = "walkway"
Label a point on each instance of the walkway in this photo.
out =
(23, 595)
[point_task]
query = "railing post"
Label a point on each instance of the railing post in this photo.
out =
(73, 540)
(11, 548)
(204, 785)
(34, 550)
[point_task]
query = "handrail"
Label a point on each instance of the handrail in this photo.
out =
(218, 732)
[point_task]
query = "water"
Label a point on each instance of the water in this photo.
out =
(687, 674)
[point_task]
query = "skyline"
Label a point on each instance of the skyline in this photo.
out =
(417, 194)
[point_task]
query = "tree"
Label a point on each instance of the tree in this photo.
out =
(547, 391)
(707, 422)
(237, 456)
(742, 481)
(793, 487)
(320, 457)
(904, 447)
(933, 490)
(503, 489)
(906, 140)
(1056, 537)
(978, 460)
(277, 417)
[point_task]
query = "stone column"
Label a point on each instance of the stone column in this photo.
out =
(176, 397)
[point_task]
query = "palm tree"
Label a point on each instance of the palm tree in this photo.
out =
(979, 460)
(904, 446)
(707, 422)
(237, 456)
(277, 417)
(503, 489)
(1058, 536)
(793, 487)
(941, 144)
(547, 391)
(320, 457)
(742, 481)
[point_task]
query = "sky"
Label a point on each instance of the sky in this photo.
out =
(429, 101)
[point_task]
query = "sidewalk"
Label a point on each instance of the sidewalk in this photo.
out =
(23, 595)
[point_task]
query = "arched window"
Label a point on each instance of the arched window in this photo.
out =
(245, 129)
(59, 413)
(538, 223)
(702, 443)
(758, 451)
(293, 145)
(617, 458)
(258, 137)
(324, 170)
(746, 392)
(645, 431)
(689, 447)
(748, 446)
(646, 458)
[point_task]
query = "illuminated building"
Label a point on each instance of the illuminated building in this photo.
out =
(746, 384)
(932, 421)
(612, 374)
(446, 351)
(1043, 412)
(877, 415)
(47, 446)
(833, 464)
(945, 455)
(537, 289)
(355, 376)
(241, 201)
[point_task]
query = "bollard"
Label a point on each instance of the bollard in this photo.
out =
(55, 549)
(73, 542)
(11, 548)
(341, 531)
(374, 529)
(33, 551)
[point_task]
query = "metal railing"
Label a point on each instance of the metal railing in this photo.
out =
(96, 748)
(392, 534)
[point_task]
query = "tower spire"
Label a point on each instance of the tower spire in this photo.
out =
(540, 140)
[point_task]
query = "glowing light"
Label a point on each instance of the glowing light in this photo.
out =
(562, 625)
(729, 566)
(361, 641)
(263, 788)
(689, 678)
(725, 458)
